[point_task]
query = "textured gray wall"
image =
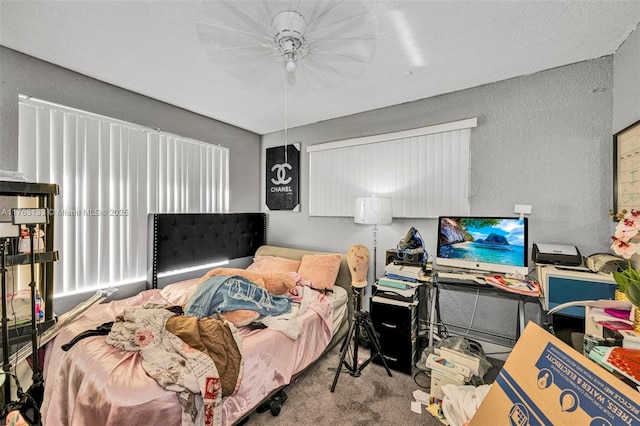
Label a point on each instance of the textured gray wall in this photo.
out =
(542, 139)
(23, 74)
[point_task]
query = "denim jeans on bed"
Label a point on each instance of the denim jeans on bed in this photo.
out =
(220, 294)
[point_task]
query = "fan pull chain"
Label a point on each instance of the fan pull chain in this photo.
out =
(286, 114)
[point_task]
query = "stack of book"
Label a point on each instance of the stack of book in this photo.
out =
(403, 291)
(404, 272)
(400, 283)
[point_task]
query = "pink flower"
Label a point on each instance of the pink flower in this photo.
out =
(627, 229)
(144, 337)
(624, 248)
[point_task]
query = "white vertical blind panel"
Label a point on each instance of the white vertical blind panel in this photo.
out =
(425, 175)
(111, 175)
(138, 203)
(81, 199)
(69, 199)
(104, 185)
(153, 172)
(114, 186)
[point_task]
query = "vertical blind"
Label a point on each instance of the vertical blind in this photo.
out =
(111, 175)
(425, 171)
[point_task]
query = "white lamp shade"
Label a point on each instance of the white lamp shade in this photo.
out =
(373, 211)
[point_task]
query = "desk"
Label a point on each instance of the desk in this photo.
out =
(497, 333)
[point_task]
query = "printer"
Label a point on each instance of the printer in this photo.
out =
(556, 254)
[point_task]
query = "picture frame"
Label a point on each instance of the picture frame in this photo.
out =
(626, 168)
(283, 177)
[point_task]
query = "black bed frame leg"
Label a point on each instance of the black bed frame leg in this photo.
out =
(273, 404)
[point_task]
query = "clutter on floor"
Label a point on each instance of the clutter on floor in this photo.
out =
(456, 367)
(546, 381)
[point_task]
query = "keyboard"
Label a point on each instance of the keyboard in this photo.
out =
(460, 278)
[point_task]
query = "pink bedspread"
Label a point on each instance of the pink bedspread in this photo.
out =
(96, 384)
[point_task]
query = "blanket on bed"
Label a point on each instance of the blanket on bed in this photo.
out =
(221, 294)
(220, 340)
(97, 384)
(174, 364)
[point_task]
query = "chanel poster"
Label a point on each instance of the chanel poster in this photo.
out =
(283, 177)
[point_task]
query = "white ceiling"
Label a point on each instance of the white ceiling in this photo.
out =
(152, 48)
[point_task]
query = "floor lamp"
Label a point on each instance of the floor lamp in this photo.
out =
(373, 211)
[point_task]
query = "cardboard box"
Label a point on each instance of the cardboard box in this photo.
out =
(545, 381)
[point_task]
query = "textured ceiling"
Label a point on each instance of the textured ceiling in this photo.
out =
(153, 48)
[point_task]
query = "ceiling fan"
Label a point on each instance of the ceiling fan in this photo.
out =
(307, 44)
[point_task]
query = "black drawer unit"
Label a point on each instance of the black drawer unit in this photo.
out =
(397, 326)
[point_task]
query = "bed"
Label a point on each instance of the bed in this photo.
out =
(96, 383)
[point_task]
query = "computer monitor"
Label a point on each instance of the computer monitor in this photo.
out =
(486, 244)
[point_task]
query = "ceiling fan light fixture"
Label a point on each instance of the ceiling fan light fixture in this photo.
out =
(307, 45)
(290, 64)
(288, 34)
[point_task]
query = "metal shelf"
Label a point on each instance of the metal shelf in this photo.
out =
(25, 259)
(45, 194)
(8, 187)
(22, 332)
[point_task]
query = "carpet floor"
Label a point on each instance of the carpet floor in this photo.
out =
(373, 398)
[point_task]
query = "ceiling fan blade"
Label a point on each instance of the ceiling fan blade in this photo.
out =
(231, 48)
(318, 75)
(347, 49)
(350, 36)
(262, 74)
(246, 15)
(336, 42)
(322, 10)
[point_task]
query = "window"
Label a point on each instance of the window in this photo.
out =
(111, 175)
(425, 171)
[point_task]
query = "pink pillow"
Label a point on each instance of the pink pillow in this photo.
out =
(273, 263)
(179, 293)
(320, 269)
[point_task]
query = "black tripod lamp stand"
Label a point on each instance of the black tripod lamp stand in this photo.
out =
(358, 259)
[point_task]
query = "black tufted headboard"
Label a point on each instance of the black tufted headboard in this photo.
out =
(187, 240)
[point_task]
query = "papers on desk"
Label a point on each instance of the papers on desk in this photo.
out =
(630, 339)
(605, 319)
(512, 285)
(604, 304)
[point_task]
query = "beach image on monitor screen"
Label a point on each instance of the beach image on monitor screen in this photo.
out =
(487, 240)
